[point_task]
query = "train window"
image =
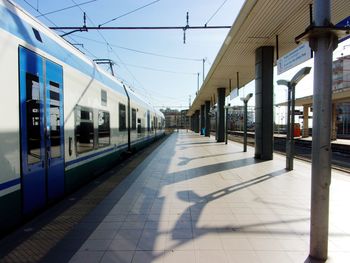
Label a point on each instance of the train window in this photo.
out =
(84, 129)
(133, 121)
(139, 125)
(33, 119)
(104, 131)
(103, 98)
(122, 117)
(55, 127)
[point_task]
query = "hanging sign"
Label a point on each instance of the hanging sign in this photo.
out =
(294, 58)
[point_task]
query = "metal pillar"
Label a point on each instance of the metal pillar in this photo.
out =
(207, 118)
(264, 103)
(220, 117)
(245, 101)
(291, 113)
(322, 45)
(202, 120)
(290, 127)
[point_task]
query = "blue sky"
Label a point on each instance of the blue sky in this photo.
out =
(160, 88)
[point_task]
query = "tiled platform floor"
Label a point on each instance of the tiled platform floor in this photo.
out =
(196, 200)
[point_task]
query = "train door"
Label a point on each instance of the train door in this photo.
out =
(41, 126)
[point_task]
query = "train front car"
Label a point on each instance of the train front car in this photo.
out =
(63, 119)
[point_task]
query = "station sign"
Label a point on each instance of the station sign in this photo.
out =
(344, 23)
(234, 94)
(294, 58)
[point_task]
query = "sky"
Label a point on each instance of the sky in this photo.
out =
(160, 80)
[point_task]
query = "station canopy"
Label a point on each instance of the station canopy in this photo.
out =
(258, 24)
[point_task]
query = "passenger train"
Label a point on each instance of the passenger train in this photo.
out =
(63, 119)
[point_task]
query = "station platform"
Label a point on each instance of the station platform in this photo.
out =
(195, 200)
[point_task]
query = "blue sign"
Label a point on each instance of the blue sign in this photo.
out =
(344, 23)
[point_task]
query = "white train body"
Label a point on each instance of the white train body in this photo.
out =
(62, 117)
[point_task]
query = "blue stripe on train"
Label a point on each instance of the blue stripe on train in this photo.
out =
(17, 181)
(119, 147)
(9, 184)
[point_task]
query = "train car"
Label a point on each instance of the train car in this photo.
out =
(63, 119)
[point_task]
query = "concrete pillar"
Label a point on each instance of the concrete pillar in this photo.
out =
(334, 122)
(207, 118)
(220, 116)
(305, 121)
(202, 119)
(323, 45)
(264, 103)
(196, 121)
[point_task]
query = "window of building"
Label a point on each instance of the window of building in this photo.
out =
(84, 129)
(122, 117)
(133, 119)
(104, 130)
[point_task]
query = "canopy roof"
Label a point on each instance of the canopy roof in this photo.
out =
(258, 24)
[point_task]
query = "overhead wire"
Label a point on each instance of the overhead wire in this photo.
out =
(217, 10)
(49, 20)
(128, 13)
(66, 8)
(43, 15)
(117, 56)
(161, 70)
(142, 51)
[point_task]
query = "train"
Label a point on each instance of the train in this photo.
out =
(63, 119)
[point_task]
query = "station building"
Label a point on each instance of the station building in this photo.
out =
(340, 102)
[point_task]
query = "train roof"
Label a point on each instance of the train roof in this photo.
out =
(20, 23)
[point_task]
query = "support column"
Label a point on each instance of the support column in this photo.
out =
(202, 120)
(305, 121)
(196, 121)
(198, 113)
(220, 116)
(192, 122)
(334, 122)
(207, 118)
(323, 45)
(264, 103)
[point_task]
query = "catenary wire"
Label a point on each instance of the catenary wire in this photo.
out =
(117, 56)
(66, 8)
(141, 51)
(160, 70)
(217, 10)
(128, 13)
